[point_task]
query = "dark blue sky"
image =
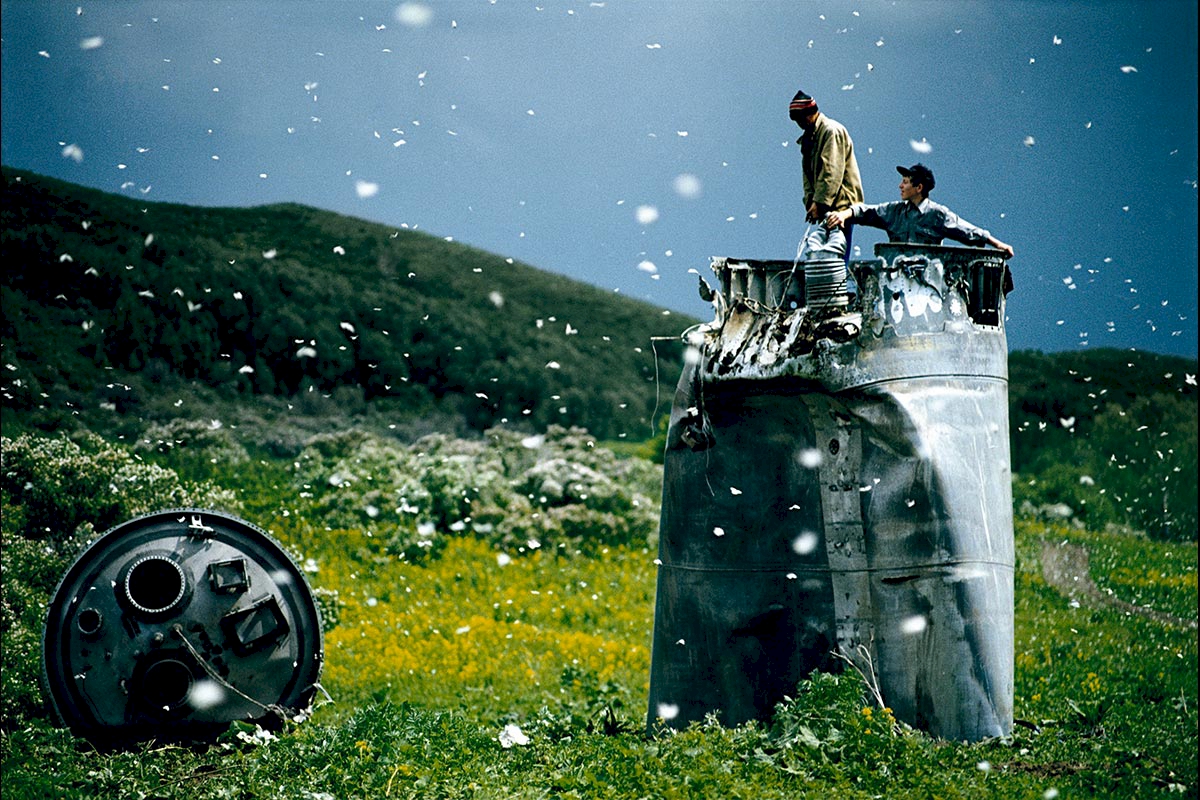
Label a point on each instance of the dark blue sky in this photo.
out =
(624, 143)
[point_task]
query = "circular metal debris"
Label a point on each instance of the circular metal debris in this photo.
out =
(173, 625)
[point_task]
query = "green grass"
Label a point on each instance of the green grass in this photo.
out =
(429, 662)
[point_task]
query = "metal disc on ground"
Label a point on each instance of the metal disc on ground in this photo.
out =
(173, 625)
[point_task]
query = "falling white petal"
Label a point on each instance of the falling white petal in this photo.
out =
(414, 15)
(646, 214)
(922, 146)
(205, 694)
(805, 543)
(687, 186)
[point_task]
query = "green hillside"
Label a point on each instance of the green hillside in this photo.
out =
(1108, 434)
(112, 303)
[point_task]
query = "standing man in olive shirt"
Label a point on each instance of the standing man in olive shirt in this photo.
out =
(831, 178)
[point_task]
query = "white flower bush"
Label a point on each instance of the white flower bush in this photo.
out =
(559, 489)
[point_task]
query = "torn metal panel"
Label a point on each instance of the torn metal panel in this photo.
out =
(838, 480)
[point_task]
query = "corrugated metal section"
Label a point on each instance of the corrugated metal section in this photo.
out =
(839, 481)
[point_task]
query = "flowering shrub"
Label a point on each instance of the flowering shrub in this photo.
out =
(512, 490)
(200, 438)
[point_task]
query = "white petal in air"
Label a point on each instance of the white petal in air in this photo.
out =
(921, 146)
(366, 189)
(205, 694)
(646, 214)
(93, 42)
(414, 15)
(687, 186)
(805, 543)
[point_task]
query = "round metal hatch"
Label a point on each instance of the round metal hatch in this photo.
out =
(176, 623)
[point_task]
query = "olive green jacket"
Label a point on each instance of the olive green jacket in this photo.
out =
(831, 176)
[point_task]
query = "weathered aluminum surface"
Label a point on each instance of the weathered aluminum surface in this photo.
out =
(842, 484)
(176, 623)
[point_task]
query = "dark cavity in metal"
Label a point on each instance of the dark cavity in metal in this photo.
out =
(837, 481)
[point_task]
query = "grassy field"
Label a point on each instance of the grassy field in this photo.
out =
(493, 667)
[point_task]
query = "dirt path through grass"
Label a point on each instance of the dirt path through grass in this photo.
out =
(1065, 566)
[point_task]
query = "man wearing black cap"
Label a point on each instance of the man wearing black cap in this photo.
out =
(831, 178)
(914, 217)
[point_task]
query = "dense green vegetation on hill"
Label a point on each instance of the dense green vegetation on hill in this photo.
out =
(1111, 434)
(114, 302)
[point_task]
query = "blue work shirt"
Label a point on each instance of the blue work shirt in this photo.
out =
(927, 223)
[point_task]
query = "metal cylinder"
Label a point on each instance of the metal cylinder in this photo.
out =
(825, 283)
(851, 503)
(176, 623)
